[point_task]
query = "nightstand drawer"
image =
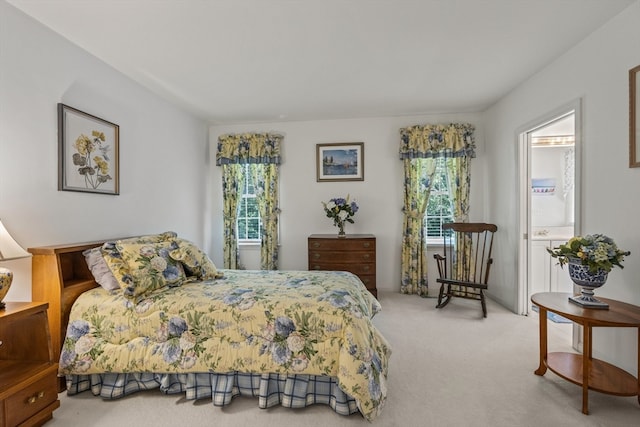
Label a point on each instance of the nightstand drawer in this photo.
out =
(32, 399)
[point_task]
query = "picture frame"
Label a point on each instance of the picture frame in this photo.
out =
(634, 117)
(543, 186)
(88, 152)
(340, 161)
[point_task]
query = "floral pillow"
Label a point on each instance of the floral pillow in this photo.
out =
(114, 260)
(150, 267)
(195, 262)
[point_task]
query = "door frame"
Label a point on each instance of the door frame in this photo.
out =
(524, 195)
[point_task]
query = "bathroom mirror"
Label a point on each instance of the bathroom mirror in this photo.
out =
(634, 117)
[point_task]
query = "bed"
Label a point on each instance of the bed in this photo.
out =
(176, 323)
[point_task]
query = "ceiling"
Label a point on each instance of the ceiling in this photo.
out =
(248, 61)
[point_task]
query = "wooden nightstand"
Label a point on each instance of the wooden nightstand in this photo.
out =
(355, 253)
(28, 375)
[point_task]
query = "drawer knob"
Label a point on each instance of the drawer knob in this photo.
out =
(366, 244)
(316, 267)
(35, 397)
(316, 245)
(316, 255)
(365, 256)
(365, 267)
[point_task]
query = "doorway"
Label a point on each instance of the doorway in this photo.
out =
(549, 194)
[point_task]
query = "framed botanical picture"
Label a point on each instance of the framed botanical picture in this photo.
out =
(340, 162)
(87, 152)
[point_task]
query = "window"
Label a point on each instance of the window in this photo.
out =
(440, 205)
(248, 223)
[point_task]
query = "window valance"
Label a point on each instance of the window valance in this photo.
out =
(424, 141)
(248, 148)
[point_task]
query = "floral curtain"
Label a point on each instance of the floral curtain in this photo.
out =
(265, 178)
(262, 151)
(417, 184)
(425, 141)
(418, 146)
(232, 179)
(458, 171)
(244, 148)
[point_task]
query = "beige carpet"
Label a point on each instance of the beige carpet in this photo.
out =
(449, 367)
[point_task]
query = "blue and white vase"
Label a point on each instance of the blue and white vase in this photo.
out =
(588, 281)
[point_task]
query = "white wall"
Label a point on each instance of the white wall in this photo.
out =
(163, 150)
(595, 71)
(379, 195)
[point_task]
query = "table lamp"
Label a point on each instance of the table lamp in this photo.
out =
(9, 249)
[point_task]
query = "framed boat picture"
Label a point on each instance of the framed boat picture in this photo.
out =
(340, 161)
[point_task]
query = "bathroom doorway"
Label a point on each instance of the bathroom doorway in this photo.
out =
(549, 197)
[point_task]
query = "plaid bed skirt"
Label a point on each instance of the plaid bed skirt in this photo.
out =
(291, 391)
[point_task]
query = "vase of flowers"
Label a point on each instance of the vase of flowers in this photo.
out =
(341, 210)
(590, 259)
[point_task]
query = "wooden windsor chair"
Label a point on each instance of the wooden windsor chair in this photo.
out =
(466, 261)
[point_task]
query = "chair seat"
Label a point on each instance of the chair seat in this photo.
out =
(463, 283)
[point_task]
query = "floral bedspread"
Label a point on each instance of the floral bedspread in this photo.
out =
(302, 322)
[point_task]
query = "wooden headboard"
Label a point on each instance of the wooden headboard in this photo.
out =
(59, 275)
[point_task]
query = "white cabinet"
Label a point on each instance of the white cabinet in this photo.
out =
(540, 267)
(546, 274)
(560, 280)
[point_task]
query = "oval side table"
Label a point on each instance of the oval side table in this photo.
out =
(583, 369)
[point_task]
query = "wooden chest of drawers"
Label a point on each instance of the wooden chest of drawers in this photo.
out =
(28, 375)
(355, 253)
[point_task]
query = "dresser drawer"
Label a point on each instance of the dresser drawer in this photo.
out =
(368, 277)
(342, 244)
(357, 269)
(32, 399)
(368, 280)
(341, 257)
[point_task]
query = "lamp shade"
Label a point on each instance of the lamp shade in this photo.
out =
(9, 248)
